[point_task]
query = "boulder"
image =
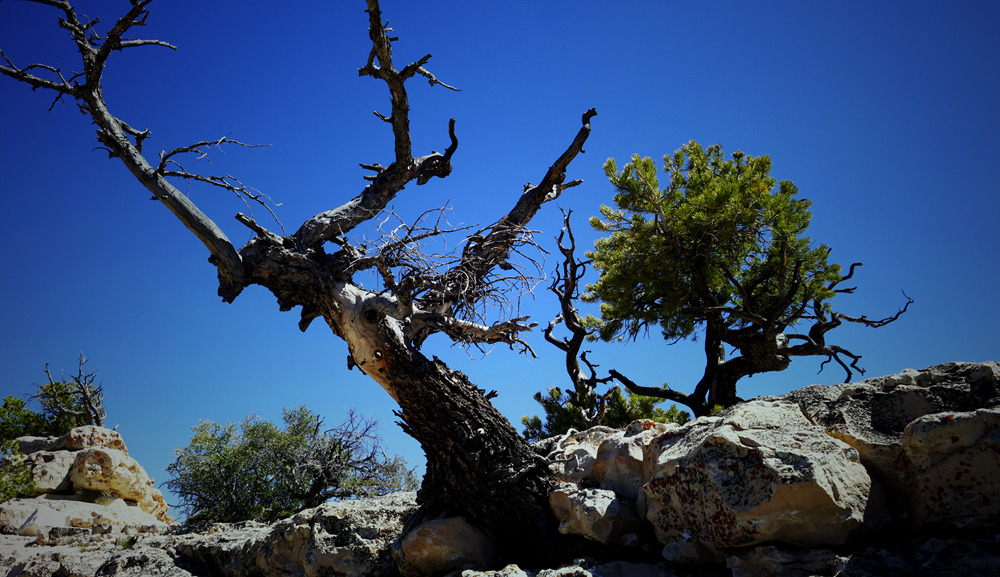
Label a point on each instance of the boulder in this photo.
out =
(36, 517)
(760, 472)
(345, 538)
(621, 461)
(872, 414)
(956, 462)
(35, 444)
(572, 456)
(597, 514)
(90, 436)
(50, 470)
(146, 562)
(436, 546)
(113, 472)
(581, 568)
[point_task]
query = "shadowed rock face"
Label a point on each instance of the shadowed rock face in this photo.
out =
(872, 416)
(349, 538)
(345, 538)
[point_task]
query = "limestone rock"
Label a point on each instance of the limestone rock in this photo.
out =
(20, 556)
(872, 414)
(35, 444)
(89, 436)
(760, 472)
(112, 471)
(50, 470)
(38, 516)
(956, 457)
(774, 561)
(346, 538)
(621, 461)
(147, 562)
(582, 568)
(39, 521)
(439, 545)
(573, 456)
(597, 514)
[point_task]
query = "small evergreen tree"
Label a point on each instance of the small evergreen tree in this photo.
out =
(64, 405)
(561, 414)
(17, 420)
(720, 254)
(15, 478)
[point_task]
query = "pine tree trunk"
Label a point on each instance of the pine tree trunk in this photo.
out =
(478, 466)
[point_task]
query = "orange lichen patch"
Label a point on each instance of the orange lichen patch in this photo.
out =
(90, 436)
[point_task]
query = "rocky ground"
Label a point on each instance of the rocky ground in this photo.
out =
(891, 476)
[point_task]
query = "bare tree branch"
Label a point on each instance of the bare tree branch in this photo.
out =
(470, 332)
(864, 320)
(61, 397)
(487, 251)
(114, 133)
(565, 285)
(245, 193)
(404, 168)
(658, 392)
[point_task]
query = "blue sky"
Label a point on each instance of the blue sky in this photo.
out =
(885, 118)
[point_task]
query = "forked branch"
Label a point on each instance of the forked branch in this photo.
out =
(388, 180)
(493, 248)
(170, 167)
(116, 136)
(77, 398)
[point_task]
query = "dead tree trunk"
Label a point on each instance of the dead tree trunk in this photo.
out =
(477, 465)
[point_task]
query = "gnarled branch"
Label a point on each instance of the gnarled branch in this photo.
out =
(113, 133)
(405, 168)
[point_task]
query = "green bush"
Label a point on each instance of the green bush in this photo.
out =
(257, 470)
(622, 409)
(15, 478)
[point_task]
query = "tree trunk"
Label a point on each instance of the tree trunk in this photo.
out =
(478, 466)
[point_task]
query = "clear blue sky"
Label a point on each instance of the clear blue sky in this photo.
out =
(884, 114)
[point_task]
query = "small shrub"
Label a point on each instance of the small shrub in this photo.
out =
(15, 477)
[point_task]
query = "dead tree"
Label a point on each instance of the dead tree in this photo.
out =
(566, 286)
(477, 465)
(78, 399)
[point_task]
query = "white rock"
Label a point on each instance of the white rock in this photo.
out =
(90, 436)
(761, 472)
(40, 521)
(440, 545)
(620, 464)
(597, 514)
(956, 457)
(111, 471)
(51, 470)
(574, 456)
(37, 516)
